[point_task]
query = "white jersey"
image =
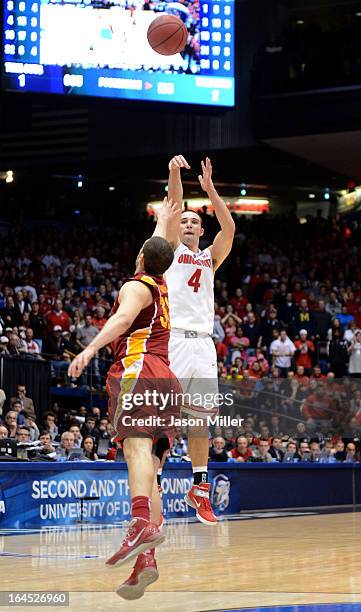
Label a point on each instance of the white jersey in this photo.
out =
(190, 281)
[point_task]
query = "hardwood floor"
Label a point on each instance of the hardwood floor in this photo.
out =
(239, 563)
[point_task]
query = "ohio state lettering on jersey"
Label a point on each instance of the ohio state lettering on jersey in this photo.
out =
(193, 259)
(190, 281)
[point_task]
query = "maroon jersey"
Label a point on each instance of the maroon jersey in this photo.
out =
(149, 332)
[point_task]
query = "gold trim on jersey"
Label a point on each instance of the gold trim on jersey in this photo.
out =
(133, 362)
(149, 280)
(136, 344)
(127, 383)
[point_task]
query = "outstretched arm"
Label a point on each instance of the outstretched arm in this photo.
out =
(133, 297)
(175, 194)
(168, 218)
(222, 244)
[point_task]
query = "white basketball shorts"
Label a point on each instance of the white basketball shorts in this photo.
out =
(194, 362)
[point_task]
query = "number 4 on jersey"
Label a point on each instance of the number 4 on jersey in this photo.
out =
(194, 280)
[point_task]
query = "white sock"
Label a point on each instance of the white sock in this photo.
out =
(200, 468)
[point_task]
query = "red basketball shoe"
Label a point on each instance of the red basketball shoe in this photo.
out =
(198, 498)
(141, 536)
(144, 573)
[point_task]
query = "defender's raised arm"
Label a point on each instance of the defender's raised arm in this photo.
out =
(175, 195)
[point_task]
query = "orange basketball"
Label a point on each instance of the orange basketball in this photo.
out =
(167, 35)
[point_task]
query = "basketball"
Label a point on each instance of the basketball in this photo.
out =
(167, 35)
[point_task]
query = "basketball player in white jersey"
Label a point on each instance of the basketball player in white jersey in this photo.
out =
(192, 353)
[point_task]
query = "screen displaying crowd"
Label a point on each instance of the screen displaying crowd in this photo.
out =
(286, 330)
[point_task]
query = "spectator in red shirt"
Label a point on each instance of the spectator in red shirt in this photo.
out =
(270, 293)
(58, 316)
(239, 303)
(358, 317)
(88, 298)
(242, 452)
(44, 305)
(305, 349)
(229, 438)
(317, 373)
(352, 303)
(319, 410)
(301, 376)
(255, 278)
(99, 319)
(221, 348)
(112, 452)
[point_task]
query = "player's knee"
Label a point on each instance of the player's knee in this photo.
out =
(128, 452)
(135, 447)
(198, 431)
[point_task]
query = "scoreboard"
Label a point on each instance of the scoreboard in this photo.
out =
(100, 48)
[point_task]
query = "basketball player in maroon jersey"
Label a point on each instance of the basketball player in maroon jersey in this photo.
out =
(139, 332)
(192, 353)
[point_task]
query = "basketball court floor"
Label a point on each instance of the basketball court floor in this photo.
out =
(260, 562)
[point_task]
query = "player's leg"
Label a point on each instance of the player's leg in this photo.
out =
(142, 533)
(145, 570)
(205, 384)
(198, 496)
(138, 455)
(180, 358)
(198, 448)
(160, 453)
(160, 470)
(191, 358)
(156, 514)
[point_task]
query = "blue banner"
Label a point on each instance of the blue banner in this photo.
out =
(33, 495)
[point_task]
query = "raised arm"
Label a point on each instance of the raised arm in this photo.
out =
(133, 297)
(168, 218)
(175, 194)
(222, 244)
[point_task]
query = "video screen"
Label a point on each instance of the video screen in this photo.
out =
(100, 48)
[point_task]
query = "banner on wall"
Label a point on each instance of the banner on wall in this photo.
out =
(44, 498)
(32, 496)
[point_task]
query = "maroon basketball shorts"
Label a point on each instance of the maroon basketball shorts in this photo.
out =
(144, 397)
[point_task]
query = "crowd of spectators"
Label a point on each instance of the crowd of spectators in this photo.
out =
(87, 434)
(249, 445)
(57, 434)
(57, 288)
(287, 310)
